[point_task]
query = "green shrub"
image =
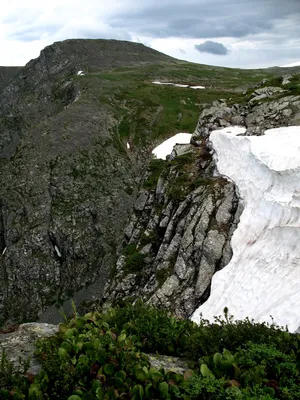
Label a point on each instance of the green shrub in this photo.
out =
(104, 356)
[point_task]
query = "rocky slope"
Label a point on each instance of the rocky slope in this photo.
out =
(60, 219)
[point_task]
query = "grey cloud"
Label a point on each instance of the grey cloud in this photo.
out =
(208, 19)
(212, 48)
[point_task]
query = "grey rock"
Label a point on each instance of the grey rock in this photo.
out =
(20, 345)
(173, 364)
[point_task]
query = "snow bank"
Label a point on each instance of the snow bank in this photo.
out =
(263, 276)
(178, 85)
(165, 148)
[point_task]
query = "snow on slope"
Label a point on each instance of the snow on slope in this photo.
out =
(263, 276)
(165, 148)
(178, 85)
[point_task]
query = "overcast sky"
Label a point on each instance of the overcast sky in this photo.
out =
(233, 33)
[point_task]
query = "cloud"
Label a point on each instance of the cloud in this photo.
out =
(26, 27)
(212, 47)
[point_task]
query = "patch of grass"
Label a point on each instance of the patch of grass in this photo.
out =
(156, 168)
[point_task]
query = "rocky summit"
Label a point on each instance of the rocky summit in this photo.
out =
(84, 211)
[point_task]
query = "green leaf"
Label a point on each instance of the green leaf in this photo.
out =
(80, 322)
(155, 375)
(70, 332)
(78, 346)
(206, 372)
(78, 392)
(138, 391)
(140, 374)
(217, 358)
(67, 346)
(147, 390)
(121, 375)
(62, 328)
(100, 393)
(109, 369)
(74, 397)
(62, 352)
(122, 337)
(163, 388)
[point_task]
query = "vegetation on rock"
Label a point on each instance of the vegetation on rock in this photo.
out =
(104, 356)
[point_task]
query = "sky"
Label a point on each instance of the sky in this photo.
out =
(232, 33)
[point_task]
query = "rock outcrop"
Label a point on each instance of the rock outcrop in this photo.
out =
(19, 346)
(178, 236)
(267, 108)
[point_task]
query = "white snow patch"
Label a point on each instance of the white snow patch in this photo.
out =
(165, 148)
(57, 251)
(128, 146)
(263, 276)
(162, 83)
(178, 85)
(4, 251)
(80, 73)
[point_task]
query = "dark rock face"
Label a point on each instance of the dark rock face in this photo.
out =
(6, 74)
(67, 182)
(182, 241)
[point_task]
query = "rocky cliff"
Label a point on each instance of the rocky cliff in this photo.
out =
(64, 174)
(179, 234)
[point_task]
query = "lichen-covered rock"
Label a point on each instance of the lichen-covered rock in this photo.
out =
(173, 364)
(20, 344)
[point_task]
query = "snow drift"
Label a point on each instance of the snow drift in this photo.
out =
(263, 276)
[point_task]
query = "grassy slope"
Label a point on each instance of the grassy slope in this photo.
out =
(149, 112)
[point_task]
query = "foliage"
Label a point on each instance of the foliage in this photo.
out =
(104, 356)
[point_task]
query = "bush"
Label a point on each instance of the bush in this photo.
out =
(104, 356)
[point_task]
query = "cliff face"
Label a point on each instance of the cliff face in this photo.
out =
(179, 234)
(64, 174)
